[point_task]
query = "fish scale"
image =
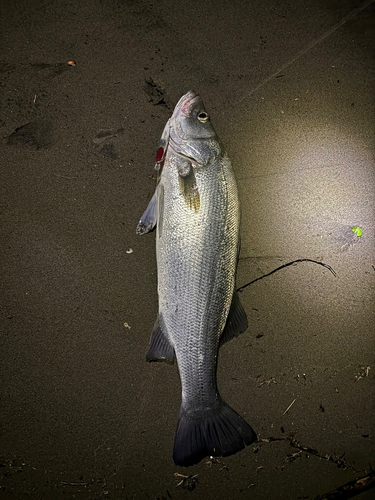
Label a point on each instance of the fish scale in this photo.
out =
(197, 216)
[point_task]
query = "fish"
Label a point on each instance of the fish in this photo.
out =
(196, 212)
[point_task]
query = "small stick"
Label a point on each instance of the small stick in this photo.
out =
(289, 407)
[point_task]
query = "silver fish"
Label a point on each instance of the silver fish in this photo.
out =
(196, 212)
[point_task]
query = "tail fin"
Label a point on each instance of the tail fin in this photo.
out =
(218, 432)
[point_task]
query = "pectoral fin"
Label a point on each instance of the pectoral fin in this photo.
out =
(236, 321)
(188, 187)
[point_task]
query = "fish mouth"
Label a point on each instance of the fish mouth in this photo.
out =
(186, 104)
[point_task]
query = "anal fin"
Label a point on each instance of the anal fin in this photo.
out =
(160, 348)
(236, 322)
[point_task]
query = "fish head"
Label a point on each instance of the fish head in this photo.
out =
(191, 132)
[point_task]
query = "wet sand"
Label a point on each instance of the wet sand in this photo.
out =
(290, 90)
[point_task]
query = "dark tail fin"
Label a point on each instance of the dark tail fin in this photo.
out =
(219, 432)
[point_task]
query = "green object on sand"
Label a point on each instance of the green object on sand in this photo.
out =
(357, 231)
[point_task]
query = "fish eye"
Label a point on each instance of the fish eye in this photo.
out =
(202, 117)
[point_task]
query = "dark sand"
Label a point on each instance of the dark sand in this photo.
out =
(290, 89)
